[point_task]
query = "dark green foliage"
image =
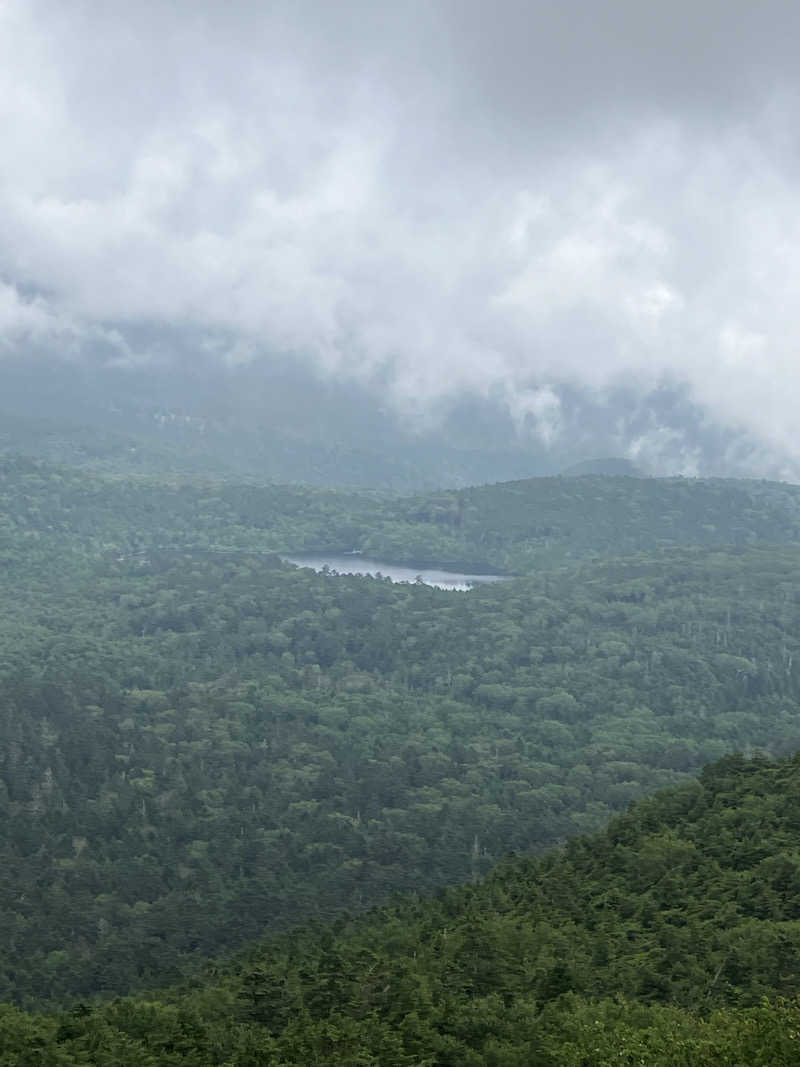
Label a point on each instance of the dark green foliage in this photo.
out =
(519, 527)
(652, 943)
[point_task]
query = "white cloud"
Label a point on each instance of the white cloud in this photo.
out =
(447, 200)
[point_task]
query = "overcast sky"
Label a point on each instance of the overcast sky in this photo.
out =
(448, 194)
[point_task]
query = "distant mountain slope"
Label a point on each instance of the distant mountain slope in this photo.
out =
(102, 450)
(510, 527)
(651, 943)
(518, 527)
(280, 424)
(277, 420)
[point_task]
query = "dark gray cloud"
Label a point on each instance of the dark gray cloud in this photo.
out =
(445, 196)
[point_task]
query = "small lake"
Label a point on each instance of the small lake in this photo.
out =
(352, 564)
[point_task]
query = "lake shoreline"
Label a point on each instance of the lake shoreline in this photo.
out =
(436, 576)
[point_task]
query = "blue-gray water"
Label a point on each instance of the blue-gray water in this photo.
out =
(360, 565)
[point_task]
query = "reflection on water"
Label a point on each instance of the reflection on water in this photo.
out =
(360, 565)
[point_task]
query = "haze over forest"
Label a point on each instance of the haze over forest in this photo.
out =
(399, 534)
(526, 236)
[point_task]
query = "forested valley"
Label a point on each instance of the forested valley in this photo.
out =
(203, 745)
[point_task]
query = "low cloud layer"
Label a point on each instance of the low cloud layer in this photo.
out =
(440, 196)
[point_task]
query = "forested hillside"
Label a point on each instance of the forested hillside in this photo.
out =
(519, 527)
(512, 527)
(670, 939)
(200, 742)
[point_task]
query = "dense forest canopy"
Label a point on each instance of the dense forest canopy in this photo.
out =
(669, 939)
(511, 527)
(200, 744)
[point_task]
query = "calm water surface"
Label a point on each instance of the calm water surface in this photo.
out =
(362, 565)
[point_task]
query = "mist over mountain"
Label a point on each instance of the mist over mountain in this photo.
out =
(572, 234)
(283, 421)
